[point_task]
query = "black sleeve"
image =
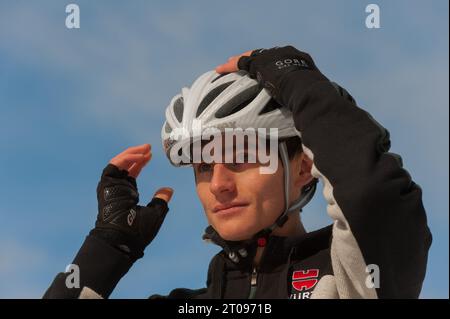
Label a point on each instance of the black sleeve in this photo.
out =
(376, 206)
(214, 283)
(183, 293)
(101, 266)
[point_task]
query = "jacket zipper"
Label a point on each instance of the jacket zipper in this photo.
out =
(253, 283)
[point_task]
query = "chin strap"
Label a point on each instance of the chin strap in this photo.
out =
(305, 195)
(237, 250)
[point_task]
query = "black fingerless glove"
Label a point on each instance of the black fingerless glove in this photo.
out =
(272, 67)
(121, 222)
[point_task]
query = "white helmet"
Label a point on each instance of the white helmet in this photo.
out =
(220, 101)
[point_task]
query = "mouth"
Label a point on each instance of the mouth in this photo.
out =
(229, 209)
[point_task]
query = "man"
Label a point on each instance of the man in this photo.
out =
(377, 246)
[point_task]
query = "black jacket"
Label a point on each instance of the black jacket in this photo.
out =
(379, 221)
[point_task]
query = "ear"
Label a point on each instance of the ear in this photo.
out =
(302, 166)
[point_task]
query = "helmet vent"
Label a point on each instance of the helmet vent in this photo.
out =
(218, 77)
(270, 106)
(167, 128)
(238, 102)
(178, 108)
(210, 97)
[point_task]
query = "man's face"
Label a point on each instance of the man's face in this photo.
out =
(238, 200)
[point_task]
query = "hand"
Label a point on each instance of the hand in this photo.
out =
(232, 64)
(120, 221)
(133, 160)
(270, 66)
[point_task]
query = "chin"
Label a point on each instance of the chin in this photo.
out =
(235, 228)
(234, 237)
(234, 233)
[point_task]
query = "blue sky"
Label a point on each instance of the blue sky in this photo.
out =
(72, 99)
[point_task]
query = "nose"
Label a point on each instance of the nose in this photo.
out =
(222, 181)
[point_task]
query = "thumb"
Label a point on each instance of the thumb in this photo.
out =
(164, 193)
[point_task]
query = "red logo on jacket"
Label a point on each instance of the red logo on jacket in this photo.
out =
(305, 279)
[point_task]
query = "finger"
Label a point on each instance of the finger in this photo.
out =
(164, 193)
(124, 161)
(146, 158)
(136, 168)
(139, 149)
(232, 64)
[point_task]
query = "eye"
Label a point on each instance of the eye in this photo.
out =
(236, 167)
(204, 167)
(245, 157)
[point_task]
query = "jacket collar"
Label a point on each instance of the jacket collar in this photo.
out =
(277, 252)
